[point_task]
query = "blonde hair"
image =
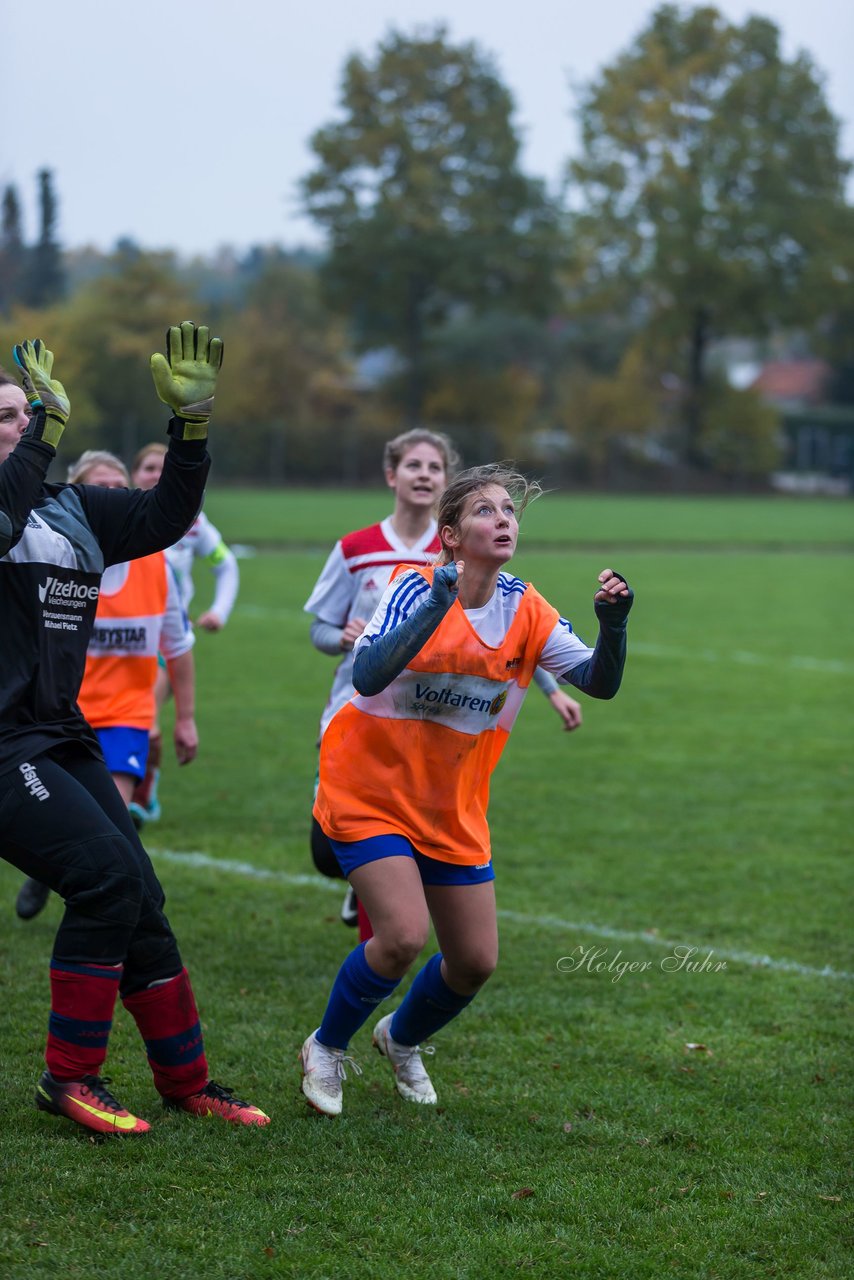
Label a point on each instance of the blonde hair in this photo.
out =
(92, 458)
(520, 488)
(141, 454)
(396, 448)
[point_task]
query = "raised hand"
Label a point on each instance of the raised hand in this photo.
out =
(185, 378)
(446, 584)
(612, 586)
(614, 592)
(46, 396)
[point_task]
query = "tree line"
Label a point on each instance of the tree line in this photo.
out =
(578, 331)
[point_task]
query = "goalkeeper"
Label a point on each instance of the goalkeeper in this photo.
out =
(62, 820)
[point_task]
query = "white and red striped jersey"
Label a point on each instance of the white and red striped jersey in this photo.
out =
(352, 584)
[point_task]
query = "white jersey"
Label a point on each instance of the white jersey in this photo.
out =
(204, 539)
(563, 649)
(352, 584)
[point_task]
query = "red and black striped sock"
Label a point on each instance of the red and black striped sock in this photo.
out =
(169, 1024)
(82, 1000)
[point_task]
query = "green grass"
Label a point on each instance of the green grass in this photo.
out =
(709, 804)
(301, 516)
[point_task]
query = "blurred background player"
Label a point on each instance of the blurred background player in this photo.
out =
(139, 617)
(441, 672)
(62, 820)
(417, 466)
(201, 541)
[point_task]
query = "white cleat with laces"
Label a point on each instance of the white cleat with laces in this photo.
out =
(412, 1081)
(323, 1074)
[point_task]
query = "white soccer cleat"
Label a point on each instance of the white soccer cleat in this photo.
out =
(323, 1074)
(412, 1081)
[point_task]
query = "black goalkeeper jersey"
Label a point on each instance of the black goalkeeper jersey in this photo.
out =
(58, 539)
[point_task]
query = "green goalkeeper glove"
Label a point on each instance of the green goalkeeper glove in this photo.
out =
(47, 397)
(185, 378)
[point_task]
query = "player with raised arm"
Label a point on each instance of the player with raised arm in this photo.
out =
(417, 465)
(440, 672)
(139, 619)
(62, 820)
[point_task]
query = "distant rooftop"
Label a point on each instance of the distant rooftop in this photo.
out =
(793, 381)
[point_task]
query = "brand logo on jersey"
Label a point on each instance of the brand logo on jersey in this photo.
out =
(429, 698)
(511, 663)
(32, 522)
(107, 637)
(33, 782)
(66, 592)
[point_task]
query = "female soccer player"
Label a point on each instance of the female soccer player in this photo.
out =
(139, 617)
(62, 820)
(440, 674)
(417, 465)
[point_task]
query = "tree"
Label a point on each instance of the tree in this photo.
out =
(288, 375)
(420, 190)
(45, 278)
(710, 192)
(11, 250)
(106, 334)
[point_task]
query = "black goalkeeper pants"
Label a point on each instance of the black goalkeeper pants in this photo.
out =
(63, 822)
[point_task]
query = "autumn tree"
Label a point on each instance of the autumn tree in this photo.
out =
(274, 421)
(709, 192)
(106, 333)
(419, 187)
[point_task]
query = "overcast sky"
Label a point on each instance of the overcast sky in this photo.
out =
(186, 125)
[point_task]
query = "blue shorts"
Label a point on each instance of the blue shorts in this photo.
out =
(125, 750)
(356, 853)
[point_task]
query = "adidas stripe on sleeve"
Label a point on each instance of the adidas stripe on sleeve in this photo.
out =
(400, 599)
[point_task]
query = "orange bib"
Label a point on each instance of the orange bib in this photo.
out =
(121, 662)
(416, 759)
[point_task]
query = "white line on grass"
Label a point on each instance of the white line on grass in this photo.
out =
(796, 662)
(204, 860)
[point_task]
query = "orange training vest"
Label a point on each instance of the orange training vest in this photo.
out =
(121, 662)
(416, 759)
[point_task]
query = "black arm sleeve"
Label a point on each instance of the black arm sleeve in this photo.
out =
(381, 660)
(21, 478)
(130, 523)
(600, 675)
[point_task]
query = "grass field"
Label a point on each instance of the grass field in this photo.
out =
(577, 1133)
(302, 517)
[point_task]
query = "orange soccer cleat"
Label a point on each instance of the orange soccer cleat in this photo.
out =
(218, 1100)
(88, 1102)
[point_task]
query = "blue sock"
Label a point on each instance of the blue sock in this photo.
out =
(355, 994)
(429, 1005)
